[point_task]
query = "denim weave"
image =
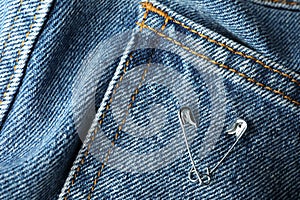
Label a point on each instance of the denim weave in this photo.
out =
(254, 84)
(114, 74)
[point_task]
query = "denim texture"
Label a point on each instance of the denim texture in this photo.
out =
(21, 170)
(21, 22)
(115, 73)
(39, 141)
(257, 87)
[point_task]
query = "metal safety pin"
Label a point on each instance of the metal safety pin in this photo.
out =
(186, 116)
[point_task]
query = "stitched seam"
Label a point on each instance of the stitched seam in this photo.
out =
(133, 97)
(20, 50)
(221, 65)
(136, 92)
(149, 6)
(5, 44)
(10, 30)
(145, 17)
(100, 122)
(282, 2)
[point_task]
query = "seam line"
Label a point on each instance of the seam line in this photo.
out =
(100, 122)
(10, 30)
(20, 50)
(150, 7)
(133, 97)
(5, 45)
(142, 25)
(220, 64)
(284, 2)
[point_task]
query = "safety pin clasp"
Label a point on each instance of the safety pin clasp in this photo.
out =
(238, 129)
(186, 116)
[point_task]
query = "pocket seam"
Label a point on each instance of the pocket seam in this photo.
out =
(100, 122)
(143, 25)
(116, 136)
(291, 3)
(150, 7)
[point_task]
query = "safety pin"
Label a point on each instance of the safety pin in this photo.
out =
(186, 116)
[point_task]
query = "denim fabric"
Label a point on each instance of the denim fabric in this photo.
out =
(39, 141)
(21, 169)
(115, 74)
(21, 21)
(222, 61)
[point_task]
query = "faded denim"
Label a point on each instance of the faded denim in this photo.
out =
(115, 74)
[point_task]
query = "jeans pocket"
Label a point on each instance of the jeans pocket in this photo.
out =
(136, 147)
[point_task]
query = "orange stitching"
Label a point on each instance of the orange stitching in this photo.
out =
(20, 50)
(144, 18)
(100, 123)
(10, 30)
(149, 6)
(283, 2)
(133, 97)
(5, 44)
(142, 25)
(165, 24)
(220, 64)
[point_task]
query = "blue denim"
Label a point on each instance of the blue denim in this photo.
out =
(115, 74)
